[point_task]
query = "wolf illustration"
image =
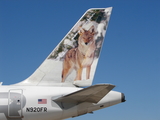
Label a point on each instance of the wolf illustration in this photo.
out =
(81, 56)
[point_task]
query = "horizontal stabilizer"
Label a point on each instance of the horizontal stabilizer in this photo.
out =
(91, 94)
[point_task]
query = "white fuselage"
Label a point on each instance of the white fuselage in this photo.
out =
(23, 100)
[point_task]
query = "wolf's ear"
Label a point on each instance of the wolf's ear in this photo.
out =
(92, 29)
(81, 31)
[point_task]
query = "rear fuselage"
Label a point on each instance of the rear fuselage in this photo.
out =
(37, 102)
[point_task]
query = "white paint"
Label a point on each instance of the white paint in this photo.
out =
(3, 101)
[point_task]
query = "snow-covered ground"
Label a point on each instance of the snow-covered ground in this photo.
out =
(49, 73)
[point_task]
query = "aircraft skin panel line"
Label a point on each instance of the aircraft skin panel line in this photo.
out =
(61, 87)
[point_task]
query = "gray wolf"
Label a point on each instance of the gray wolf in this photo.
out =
(81, 56)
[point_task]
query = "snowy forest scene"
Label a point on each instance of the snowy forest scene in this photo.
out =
(98, 18)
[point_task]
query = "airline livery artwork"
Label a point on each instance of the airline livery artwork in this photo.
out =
(79, 51)
(74, 60)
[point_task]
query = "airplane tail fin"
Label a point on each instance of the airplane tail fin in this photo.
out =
(74, 60)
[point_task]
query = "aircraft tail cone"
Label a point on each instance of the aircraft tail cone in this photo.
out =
(123, 98)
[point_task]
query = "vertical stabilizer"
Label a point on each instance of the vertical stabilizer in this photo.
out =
(74, 60)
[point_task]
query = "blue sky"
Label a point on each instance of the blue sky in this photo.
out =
(130, 59)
